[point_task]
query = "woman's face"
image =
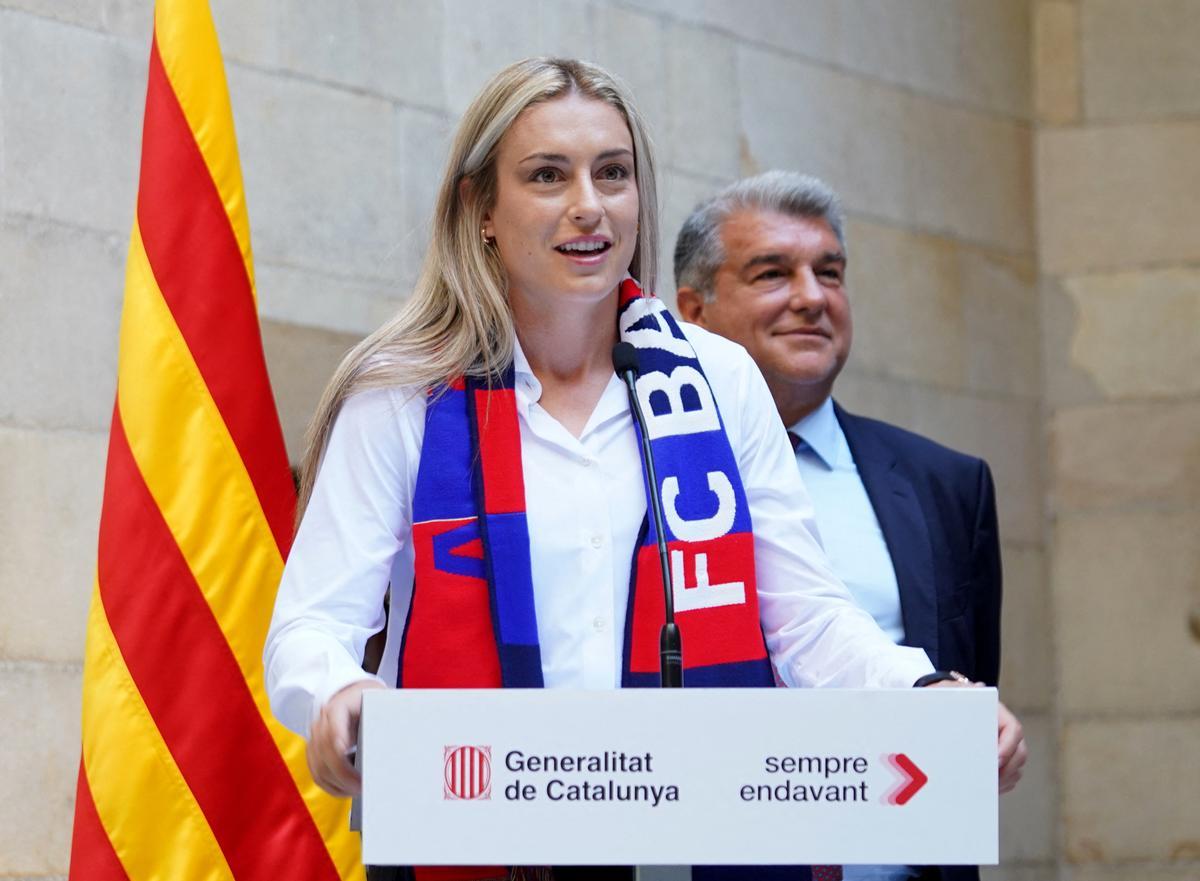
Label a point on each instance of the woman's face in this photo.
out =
(566, 214)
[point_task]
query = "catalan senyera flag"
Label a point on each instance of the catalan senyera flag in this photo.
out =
(185, 773)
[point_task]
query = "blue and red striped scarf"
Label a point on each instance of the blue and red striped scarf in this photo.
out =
(472, 624)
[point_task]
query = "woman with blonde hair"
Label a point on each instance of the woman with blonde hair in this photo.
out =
(478, 454)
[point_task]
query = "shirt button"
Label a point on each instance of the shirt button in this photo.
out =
(599, 623)
(597, 540)
(586, 463)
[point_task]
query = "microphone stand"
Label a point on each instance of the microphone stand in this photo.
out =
(627, 366)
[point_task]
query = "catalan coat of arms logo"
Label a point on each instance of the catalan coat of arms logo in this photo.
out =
(467, 773)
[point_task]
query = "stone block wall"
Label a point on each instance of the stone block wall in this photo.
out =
(1001, 214)
(1118, 202)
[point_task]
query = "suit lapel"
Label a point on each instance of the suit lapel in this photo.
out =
(904, 530)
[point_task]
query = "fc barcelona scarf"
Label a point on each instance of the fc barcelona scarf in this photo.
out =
(472, 623)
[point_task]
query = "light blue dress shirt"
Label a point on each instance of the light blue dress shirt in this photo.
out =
(849, 529)
(854, 543)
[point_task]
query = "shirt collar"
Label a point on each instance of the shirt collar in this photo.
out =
(820, 431)
(523, 375)
(613, 402)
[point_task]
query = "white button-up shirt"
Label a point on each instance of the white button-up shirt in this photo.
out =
(585, 503)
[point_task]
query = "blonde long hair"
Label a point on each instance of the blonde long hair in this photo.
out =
(458, 321)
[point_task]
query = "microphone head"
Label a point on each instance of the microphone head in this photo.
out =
(625, 358)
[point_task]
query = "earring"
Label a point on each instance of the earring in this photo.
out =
(483, 235)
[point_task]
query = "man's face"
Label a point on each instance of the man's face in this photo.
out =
(781, 294)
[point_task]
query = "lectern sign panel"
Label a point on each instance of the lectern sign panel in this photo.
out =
(711, 776)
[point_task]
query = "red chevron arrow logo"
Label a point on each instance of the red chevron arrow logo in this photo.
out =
(912, 779)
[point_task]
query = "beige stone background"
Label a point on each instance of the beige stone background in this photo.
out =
(1023, 183)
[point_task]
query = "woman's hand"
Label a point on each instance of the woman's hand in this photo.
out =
(333, 733)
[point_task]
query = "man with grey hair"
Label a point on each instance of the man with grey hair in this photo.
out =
(909, 525)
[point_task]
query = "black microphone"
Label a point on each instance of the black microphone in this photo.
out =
(628, 365)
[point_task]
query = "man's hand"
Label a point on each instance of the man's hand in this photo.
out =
(1010, 739)
(333, 732)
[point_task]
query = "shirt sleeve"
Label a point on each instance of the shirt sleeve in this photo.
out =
(330, 600)
(815, 632)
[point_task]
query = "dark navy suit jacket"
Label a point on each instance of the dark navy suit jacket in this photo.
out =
(937, 510)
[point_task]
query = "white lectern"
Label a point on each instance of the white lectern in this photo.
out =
(688, 776)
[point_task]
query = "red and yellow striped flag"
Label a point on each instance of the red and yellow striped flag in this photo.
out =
(185, 773)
